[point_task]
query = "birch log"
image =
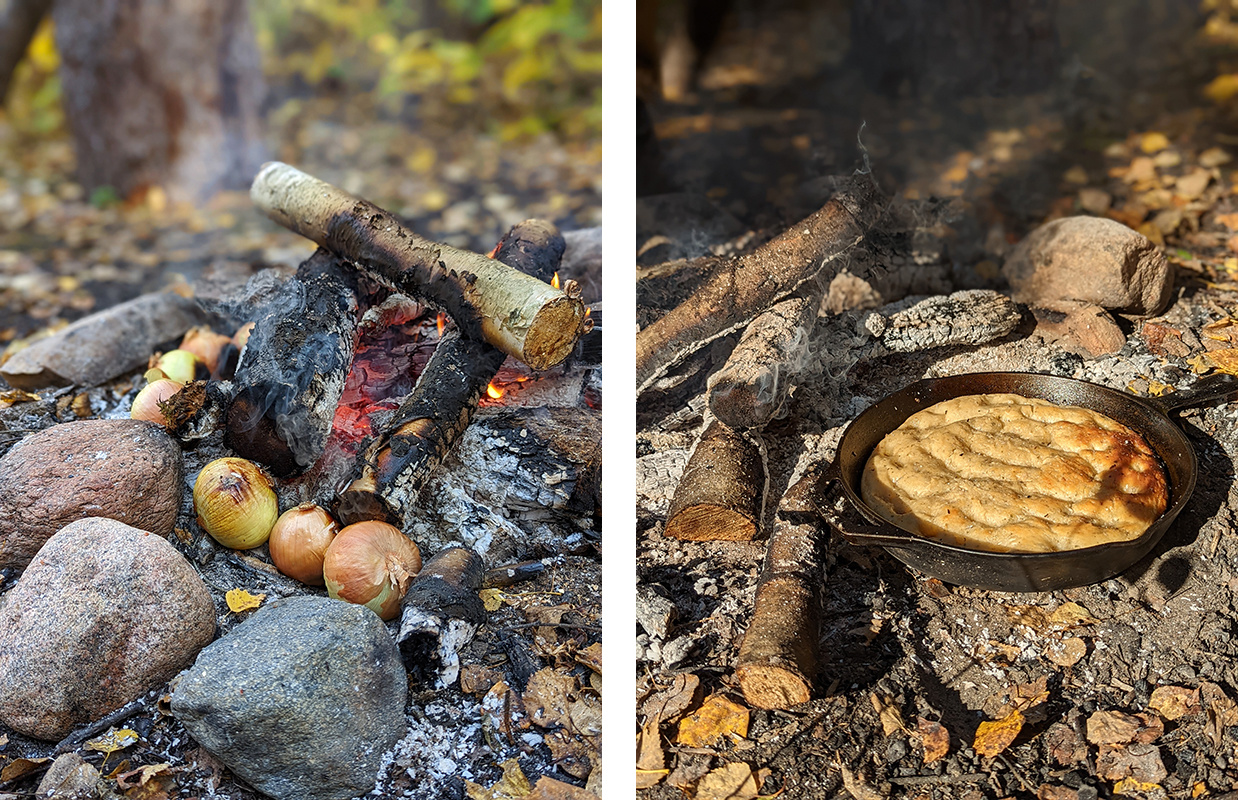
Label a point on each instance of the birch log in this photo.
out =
(739, 288)
(488, 300)
(721, 496)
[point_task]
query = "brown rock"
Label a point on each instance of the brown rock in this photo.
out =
(103, 345)
(120, 469)
(105, 613)
(1083, 328)
(1093, 260)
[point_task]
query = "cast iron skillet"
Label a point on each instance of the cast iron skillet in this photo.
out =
(843, 509)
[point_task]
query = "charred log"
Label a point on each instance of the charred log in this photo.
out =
(721, 496)
(535, 247)
(488, 300)
(738, 289)
(293, 369)
(19, 19)
(777, 663)
(441, 611)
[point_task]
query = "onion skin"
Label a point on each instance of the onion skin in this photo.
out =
(371, 563)
(179, 365)
(146, 404)
(242, 335)
(299, 542)
(235, 503)
(206, 345)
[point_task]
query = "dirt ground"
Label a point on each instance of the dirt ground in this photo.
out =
(1124, 688)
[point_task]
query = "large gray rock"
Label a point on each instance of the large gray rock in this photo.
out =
(301, 700)
(104, 614)
(1093, 260)
(125, 470)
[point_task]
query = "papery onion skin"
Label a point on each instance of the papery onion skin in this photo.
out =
(235, 503)
(206, 345)
(299, 542)
(179, 365)
(146, 404)
(371, 563)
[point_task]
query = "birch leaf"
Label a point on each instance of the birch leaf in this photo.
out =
(239, 600)
(994, 737)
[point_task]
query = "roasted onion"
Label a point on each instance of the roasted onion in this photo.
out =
(371, 563)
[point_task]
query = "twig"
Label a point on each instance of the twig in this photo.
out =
(75, 740)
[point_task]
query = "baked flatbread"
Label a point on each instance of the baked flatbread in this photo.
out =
(1005, 473)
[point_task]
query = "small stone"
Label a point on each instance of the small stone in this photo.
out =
(69, 777)
(302, 700)
(104, 614)
(125, 470)
(1095, 201)
(654, 612)
(1082, 328)
(1093, 260)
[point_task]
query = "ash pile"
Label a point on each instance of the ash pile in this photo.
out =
(424, 614)
(774, 656)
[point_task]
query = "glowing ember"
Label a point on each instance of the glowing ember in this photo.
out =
(493, 392)
(555, 281)
(441, 323)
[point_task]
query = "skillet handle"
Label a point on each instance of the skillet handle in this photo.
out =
(1202, 391)
(836, 509)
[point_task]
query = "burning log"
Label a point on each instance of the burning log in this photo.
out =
(756, 380)
(777, 663)
(442, 610)
(740, 288)
(721, 496)
(488, 300)
(392, 468)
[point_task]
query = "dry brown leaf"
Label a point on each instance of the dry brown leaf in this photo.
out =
(1065, 745)
(735, 781)
(717, 718)
(476, 679)
(1071, 615)
(1066, 652)
(1033, 617)
(667, 704)
(887, 712)
(1048, 792)
(572, 754)
(512, 786)
(1030, 695)
(1116, 727)
(934, 737)
(548, 697)
(21, 766)
(1172, 702)
(591, 657)
(551, 789)
(650, 757)
(1139, 761)
(142, 775)
(994, 737)
(1217, 702)
(1224, 360)
(1228, 220)
(857, 786)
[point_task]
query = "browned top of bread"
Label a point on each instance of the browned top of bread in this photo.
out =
(1006, 473)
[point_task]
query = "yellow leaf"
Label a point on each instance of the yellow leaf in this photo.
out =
(1153, 142)
(1200, 364)
(1172, 702)
(1224, 360)
(113, 741)
(734, 781)
(716, 718)
(650, 757)
(511, 786)
(887, 712)
(1131, 787)
(492, 599)
(934, 737)
(421, 160)
(994, 737)
(239, 600)
(1070, 615)
(1222, 88)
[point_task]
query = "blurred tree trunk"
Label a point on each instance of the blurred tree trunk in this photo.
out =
(18, 21)
(161, 93)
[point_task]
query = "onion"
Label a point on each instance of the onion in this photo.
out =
(146, 404)
(235, 503)
(371, 563)
(206, 345)
(299, 542)
(179, 365)
(242, 335)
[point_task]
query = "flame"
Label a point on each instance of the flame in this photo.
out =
(493, 392)
(441, 322)
(588, 311)
(555, 281)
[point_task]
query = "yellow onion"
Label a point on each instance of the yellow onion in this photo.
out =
(235, 503)
(371, 563)
(146, 404)
(179, 365)
(242, 335)
(299, 542)
(206, 345)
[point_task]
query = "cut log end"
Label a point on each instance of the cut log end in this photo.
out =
(711, 522)
(777, 661)
(773, 686)
(362, 501)
(553, 333)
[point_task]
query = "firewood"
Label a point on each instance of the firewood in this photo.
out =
(756, 380)
(742, 287)
(520, 315)
(777, 664)
(19, 19)
(721, 496)
(293, 370)
(392, 467)
(442, 610)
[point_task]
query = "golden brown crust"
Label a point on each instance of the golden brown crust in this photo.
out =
(1005, 473)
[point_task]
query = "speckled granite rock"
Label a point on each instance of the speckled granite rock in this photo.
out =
(121, 469)
(105, 613)
(302, 700)
(1093, 260)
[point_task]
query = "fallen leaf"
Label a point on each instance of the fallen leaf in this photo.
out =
(1139, 761)
(1141, 169)
(1172, 702)
(1138, 790)
(667, 704)
(1065, 745)
(857, 786)
(934, 737)
(1048, 792)
(4, 739)
(511, 786)
(476, 679)
(591, 657)
(141, 775)
(716, 719)
(1217, 701)
(887, 712)
(1153, 142)
(19, 767)
(1116, 727)
(571, 754)
(14, 396)
(492, 599)
(239, 600)
(1029, 695)
(650, 757)
(113, 741)
(1066, 652)
(1222, 88)
(1214, 157)
(994, 737)
(551, 789)
(735, 781)
(548, 697)
(1193, 185)
(1071, 615)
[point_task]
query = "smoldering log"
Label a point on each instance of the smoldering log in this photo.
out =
(441, 611)
(293, 369)
(777, 664)
(392, 467)
(740, 288)
(721, 496)
(520, 315)
(512, 574)
(753, 385)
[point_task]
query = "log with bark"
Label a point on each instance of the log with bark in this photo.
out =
(392, 467)
(777, 664)
(488, 300)
(441, 611)
(721, 496)
(740, 288)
